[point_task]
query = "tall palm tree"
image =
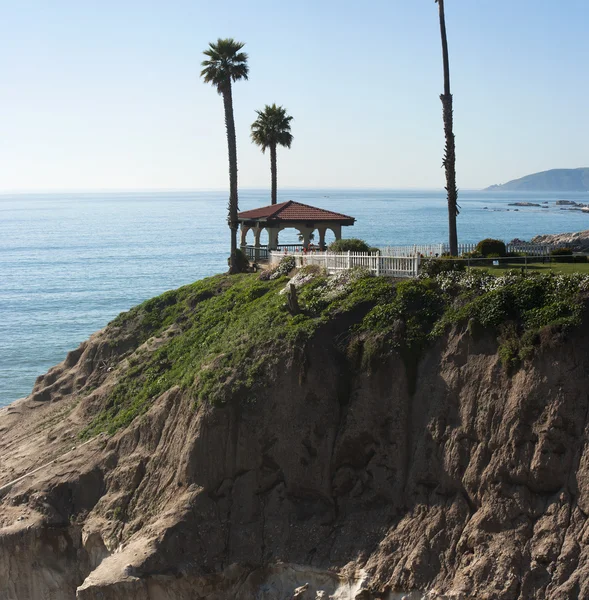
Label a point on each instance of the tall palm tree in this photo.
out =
(270, 129)
(450, 152)
(224, 64)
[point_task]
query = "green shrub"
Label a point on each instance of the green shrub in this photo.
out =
(430, 267)
(562, 255)
(242, 261)
(509, 351)
(530, 293)
(417, 303)
(349, 245)
(489, 246)
(560, 312)
(494, 308)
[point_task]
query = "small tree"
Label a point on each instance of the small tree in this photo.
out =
(489, 246)
(269, 130)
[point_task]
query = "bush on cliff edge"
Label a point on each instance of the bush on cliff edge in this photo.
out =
(489, 246)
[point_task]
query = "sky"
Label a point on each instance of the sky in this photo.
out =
(106, 94)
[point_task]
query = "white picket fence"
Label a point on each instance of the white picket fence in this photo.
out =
(440, 249)
(332, 262)
(393, 261)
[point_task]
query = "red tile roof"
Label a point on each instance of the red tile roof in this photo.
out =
(292, 211)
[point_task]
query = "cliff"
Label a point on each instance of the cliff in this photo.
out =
(394, 440)
(555, 180)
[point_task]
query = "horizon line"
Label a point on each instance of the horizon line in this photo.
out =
(214, 189)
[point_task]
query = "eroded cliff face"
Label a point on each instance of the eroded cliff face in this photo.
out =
(334, 481)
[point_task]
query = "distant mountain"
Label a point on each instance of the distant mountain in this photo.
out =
(555, 180)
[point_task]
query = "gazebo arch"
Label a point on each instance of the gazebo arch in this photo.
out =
(277, 217)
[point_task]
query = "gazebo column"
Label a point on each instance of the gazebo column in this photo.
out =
(257, 232)
(244, 231)
(272, 238)
(337, 231)
(322, 230)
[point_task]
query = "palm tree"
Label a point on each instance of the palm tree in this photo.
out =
(450, 152)
(271, 128)
(226, 63)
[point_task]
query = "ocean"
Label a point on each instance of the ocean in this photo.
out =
(69, 263)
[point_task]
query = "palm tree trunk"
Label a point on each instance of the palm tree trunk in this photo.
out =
(450, 151)
(233, 202)
(273, 172)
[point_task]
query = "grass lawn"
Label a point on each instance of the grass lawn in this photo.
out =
(539, 266)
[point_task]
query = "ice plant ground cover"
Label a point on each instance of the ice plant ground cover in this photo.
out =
(476, 279)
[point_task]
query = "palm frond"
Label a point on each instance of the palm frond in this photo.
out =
(272, 127)
(225, 63)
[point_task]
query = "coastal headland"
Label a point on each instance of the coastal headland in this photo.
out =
(411, 439)
(554, 180)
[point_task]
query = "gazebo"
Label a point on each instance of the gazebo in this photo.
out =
(276, 217)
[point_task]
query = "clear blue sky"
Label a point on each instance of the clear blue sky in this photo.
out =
(105, 94)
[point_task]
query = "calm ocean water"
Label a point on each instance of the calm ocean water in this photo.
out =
(69, 263)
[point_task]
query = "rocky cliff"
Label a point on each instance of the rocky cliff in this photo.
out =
(555, 180)
(577, 241)
(336, 459)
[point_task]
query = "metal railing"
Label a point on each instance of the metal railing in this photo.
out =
(441, 249)
(256, 254)
(260, 253)
(289, 248)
